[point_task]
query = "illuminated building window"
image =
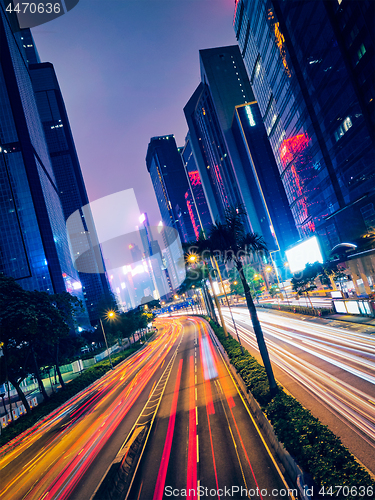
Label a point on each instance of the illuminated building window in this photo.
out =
(343, 128)
(250, 116)
(361, 52)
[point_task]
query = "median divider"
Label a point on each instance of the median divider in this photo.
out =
(117, 480)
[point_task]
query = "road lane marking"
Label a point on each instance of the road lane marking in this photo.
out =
(257, 428)
(159, 487)
(197, 449)
(222, 395)
(196, 394)
(196, 415)
(192, 472)
(153, 385)
(195, 379)
(140, 489)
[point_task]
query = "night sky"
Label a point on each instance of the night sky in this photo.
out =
(126, 69)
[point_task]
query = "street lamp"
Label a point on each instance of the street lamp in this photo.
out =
(110, 315)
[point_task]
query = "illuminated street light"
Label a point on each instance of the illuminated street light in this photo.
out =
(110, 315)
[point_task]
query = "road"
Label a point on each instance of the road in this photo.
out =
(203, 435)
(330, 369)
(66, 454)
(204, 439)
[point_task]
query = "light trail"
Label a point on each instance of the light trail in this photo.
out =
(312, 353)
(50, 459)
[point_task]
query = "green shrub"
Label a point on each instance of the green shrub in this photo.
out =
(315, 448)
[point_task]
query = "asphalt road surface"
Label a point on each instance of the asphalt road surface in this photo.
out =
(203, 439)
(204, 443)
(328, 366)
(66, 454)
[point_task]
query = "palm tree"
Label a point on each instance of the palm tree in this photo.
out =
(230, 242)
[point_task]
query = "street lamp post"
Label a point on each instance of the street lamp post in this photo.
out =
(105, 338)
(2, 397)
(193, 258)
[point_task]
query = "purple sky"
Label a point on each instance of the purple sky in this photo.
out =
(126, 70)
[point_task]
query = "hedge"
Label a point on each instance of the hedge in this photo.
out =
(75, 386)
(314, 447)
(317, 311)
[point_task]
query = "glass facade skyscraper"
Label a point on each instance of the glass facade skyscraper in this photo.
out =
(195, 198)
(262, 174)
(34, 247)
(68, 175)
(164, 164)
(316, 125)
(220, 147)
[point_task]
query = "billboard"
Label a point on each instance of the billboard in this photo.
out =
(306, 252)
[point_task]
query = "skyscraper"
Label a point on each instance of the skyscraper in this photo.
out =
(33, 241)
(262, 174)
(195, 198)
(311, 70)
(68, 175)
(217, 126)
(154, 258)
(168, 177)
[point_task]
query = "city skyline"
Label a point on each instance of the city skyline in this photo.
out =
(154, 70)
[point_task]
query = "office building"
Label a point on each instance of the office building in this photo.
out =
(195, 198)
(311, 68)
(34, 247)
(227, 168)
(67, 172)
(154, 258)
(262, 174)
(166, 169)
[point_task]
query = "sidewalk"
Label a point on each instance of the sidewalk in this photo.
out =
(346, 320)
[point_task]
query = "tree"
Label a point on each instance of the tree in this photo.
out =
(304, 282)
(33, 326)
(17, 325)
(229, 242)
(255, 281)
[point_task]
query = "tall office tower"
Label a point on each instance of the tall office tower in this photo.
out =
(195, 198)
(154, 258)
(34, 247)
(166, 169)
(307, 83)
(262, 173)
(69, 179)
(225, 172)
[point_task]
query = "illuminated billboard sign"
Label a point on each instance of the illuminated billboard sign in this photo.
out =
(306, 252)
